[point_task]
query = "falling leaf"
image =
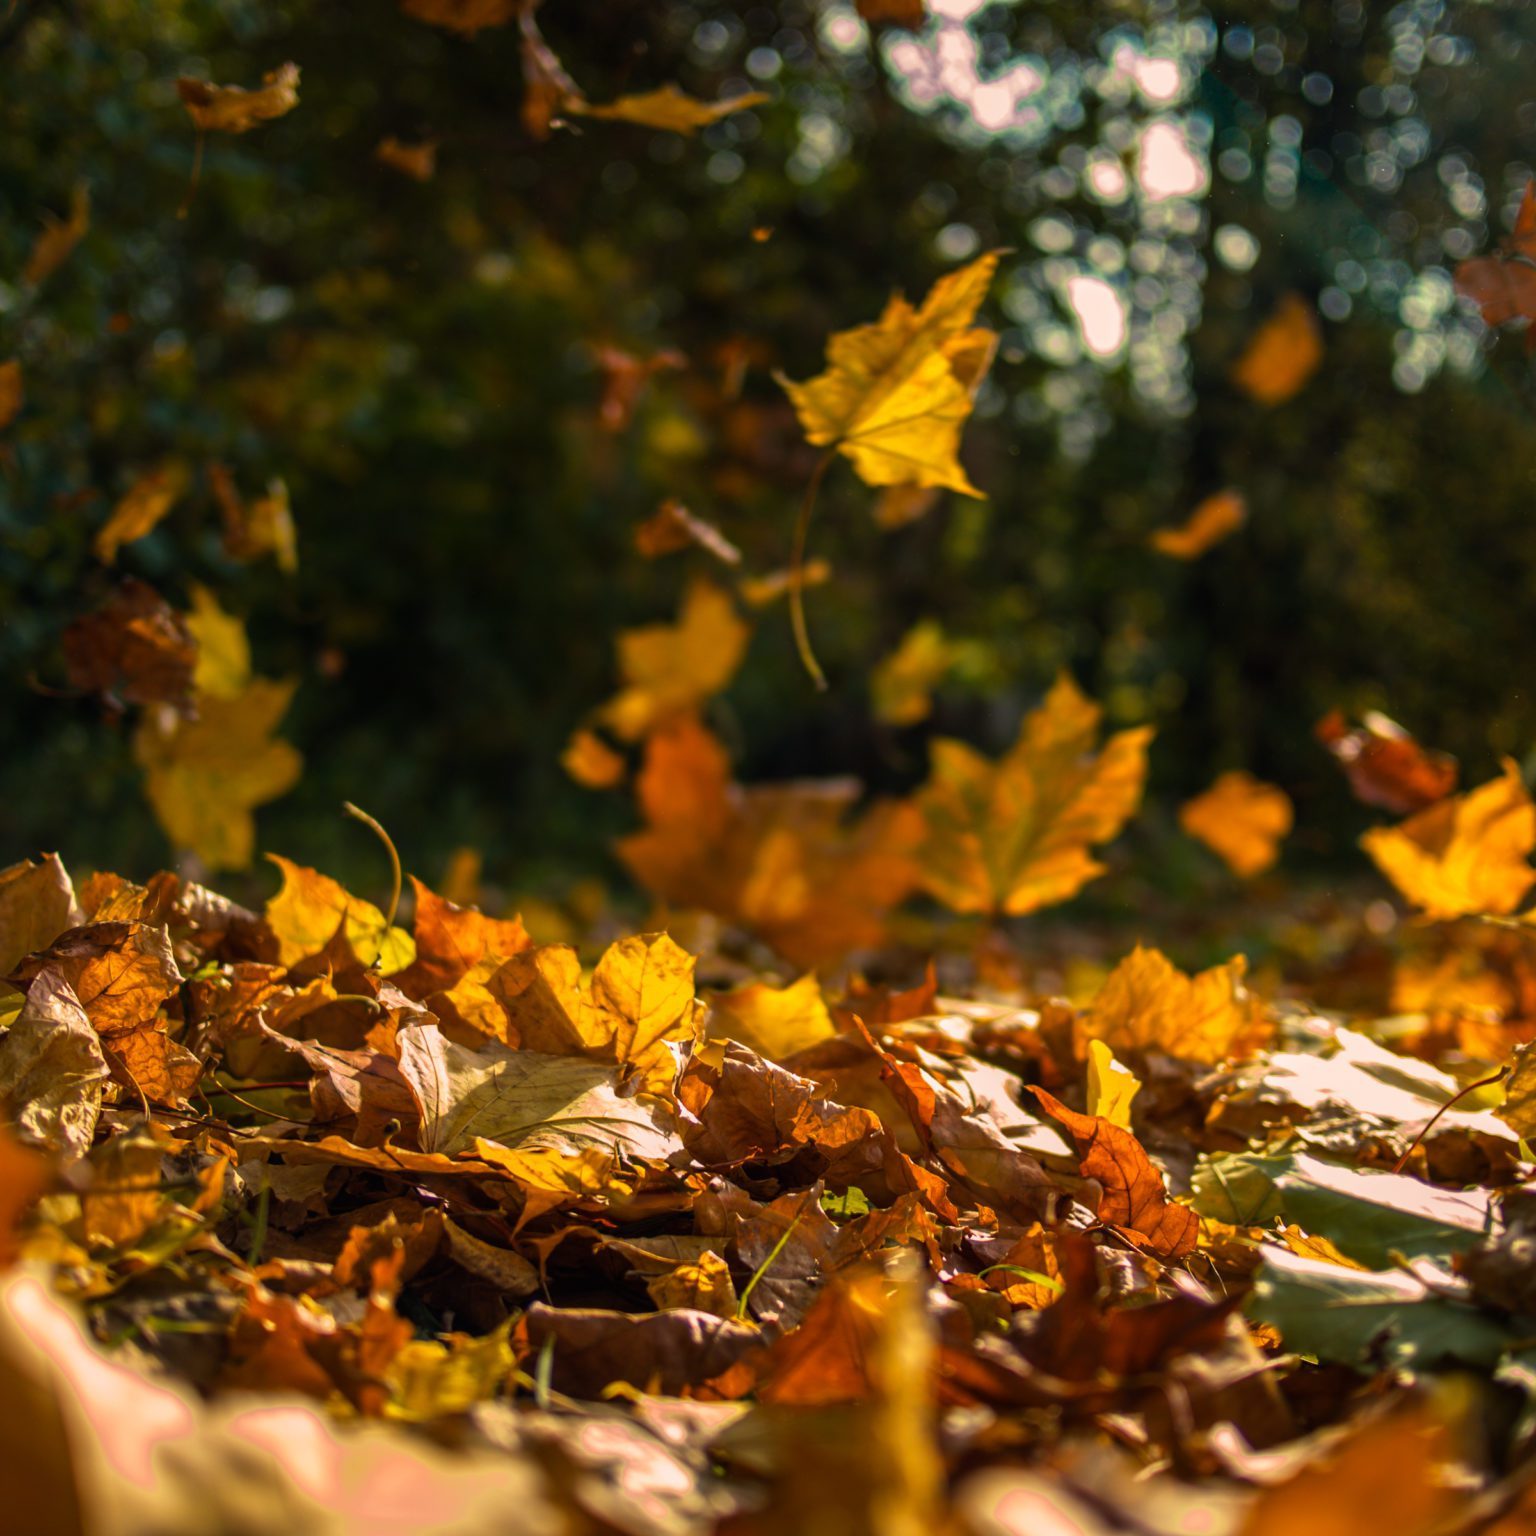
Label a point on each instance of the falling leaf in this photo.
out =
(897, 393)
(223, 668)
(669, 669)
(134, 649)
(548, 91)
(1503, 286)
(418, 161)
(591, 762)
(774, 1021)
(1242, 820)
(1148, 1004)
(146, 501)
(1214, 519)
(1285, 351)
(672, 527)
(204, 777)
(466, 16)
(11, 395)
(1464, 855)
(1111, 1086)
(625, 377)
(59, 237)
(901, 686)
(260, 527)
(759, 591)
(669, 108)
(1385, 766)
(1013, 836)
(232, 108)
(1133, 1198)
(311, 910)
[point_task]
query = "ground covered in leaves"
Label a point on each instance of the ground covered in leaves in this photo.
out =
(429, 1227)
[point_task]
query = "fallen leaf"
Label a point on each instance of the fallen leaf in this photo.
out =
(1148, 1004)
(897, 393)
(702, 1286)
(37, 903)
(1241, 819)
(418, 161)
(774, 1021)
(59, 237)
(1464, 855)
(311, 911)
(1111, 1086)
(52, 1070)
(1285, 351)
(234, 109)
(452, 940)
(1214, 519)
(1013, 836)
(1385, 766)
(669, 108)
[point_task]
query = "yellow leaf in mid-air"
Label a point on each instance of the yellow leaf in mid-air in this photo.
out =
(311, 910)
(1014, 835)
(901, 686)
(223, 653)
(1285, 351)
(232, 108)
(774, 1021)
(1111, 1086)
(1148, 1004)
(1242, 820)
(591, 761)
(668, 669)
(59, 237)
(205, 776)
(10, 391)
(1465, 855)
(669, 108)
(1213, 520)
(896, 393)
(260, 527)
(141, 507)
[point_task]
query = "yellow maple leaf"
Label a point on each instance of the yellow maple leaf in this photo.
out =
(1213, 520)
(1282, 354)
(901, 686)
(232, 108)
(774, 1021)
(1465, 855)
(223, 668)
(205, 776)
(10, 391)
(140, 508)
(59, 237)
(1014, 835)
(897, 393)
(1111, 1086)
(669, 108)
(1242, 820)
(668, 669)
(311, 910)
(1148, 1004)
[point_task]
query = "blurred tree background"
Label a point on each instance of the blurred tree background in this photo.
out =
(421, 361)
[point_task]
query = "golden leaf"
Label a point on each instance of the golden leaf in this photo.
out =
(1212, 521)
(1014, 835)
(901, 686)
(232, 108)
(1148, 1004)
(774, 1021)
(1241, 819)
(1282, 354)
(223, 668)
(311, 909)
(142, 506)
(1111, 1086)
(10, 391)
(704, 1285)
(1465, 855)
(206, 776)
(759, 591)
(898, 392)
(418, 161)
(668, 669)
(669, 108)
(263, 526)
(59, 237)
(591, 761)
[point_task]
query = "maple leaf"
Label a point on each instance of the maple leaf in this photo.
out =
(774, 1021)
(452, 940)
(897, 393)
(59, 237)
(204, 777)
(134, 649)
(1013, 836)
(145, 502)
(311, 910)
(1385, 765)
(782, 860)
(260, 527)
(1285, 351)
(901, 686)
(1241, 819)
(223, 669)
(418, 161)
(669, 669)
(11, 395)
(233, 108)
(1148, 1004)
(1214, 519)
(669, 108)
(37, 903)
(1464, 855)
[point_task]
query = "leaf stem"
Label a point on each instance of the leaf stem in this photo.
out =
(1429, 1125)
(358, 814)
(797, 572)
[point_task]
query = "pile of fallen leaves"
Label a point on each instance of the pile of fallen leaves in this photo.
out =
(320, 1223)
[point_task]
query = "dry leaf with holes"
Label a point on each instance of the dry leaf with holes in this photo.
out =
(233, 108)
(1242, 820)
(1216, 518)
(1285, 351)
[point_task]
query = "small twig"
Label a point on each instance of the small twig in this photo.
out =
(1429, 1125)
(797, 573)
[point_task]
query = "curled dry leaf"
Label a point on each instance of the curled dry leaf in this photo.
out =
(1214, 519)
(1385, 766)
(1282, 355)
(233, 108)
(133, 649)
(672, 527)
(418, 161)
(1241, 819)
